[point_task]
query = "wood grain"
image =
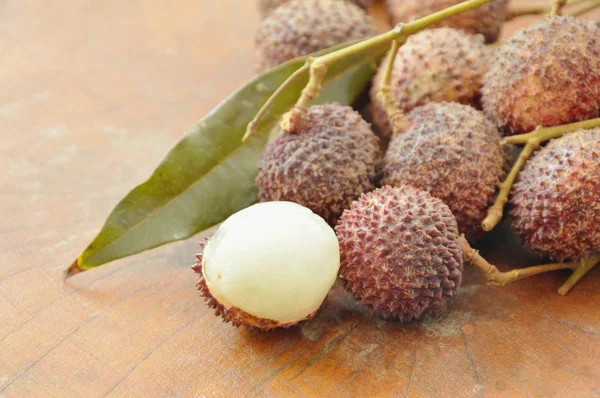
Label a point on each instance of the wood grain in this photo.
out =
(94, 94)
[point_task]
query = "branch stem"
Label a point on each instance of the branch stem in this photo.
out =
(532, 142)
(592, 5)
(390, 103)
(517, 11)
(496, 212)
(497, 278)
(556, 7)
(253, 125)
(584, 266)
(544, 134)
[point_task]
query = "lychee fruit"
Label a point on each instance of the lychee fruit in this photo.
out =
(486, 20)
(266, 6)
(269, 265)
(556, 200)
(325, 163)
(452, 151)
(433, 66)
(301, 27)
(400, 252)
(545, 75)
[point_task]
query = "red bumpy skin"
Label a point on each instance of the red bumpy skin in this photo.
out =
(556, 201)
(266, 6)
(233, 315)
(545, 75)
(331, 158)
(399, 252)
(433, 66)
(452, 151)
(301, 27)
(486, 20)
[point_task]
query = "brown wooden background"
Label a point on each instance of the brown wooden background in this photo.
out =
(93, 95)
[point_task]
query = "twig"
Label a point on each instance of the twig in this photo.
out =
(592, 5)
(532, 141)
(556, 7)
(497, 278)
(390, 103)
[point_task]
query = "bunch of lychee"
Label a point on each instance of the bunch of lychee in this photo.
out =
(398, 213)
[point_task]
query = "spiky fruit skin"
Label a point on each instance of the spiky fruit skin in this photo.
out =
(266, 6)
(433, 66)
(233, 315)
(301, 27)
(545, 75)
(399, 252)
(556, 200)
(325, 164)
(486, 20)
(452, 151)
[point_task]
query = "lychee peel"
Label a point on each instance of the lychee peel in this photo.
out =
(269, 265)
(433, 66)
(452, 151)
(555, 202)
(400, 253)
(266, 6)
(301, 27)
(545, 75)
(325, 163)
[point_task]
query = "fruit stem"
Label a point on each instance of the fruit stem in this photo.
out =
(584, 266)
(532, 142)
(390, 103)
(253, 125)
(318, 65)
(497, 278)
(592, 5)
(556, 7)
(540, 9)
(496, 212)
(544, 134)
(520, 11)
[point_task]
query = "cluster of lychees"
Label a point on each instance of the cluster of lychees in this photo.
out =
(399, 212)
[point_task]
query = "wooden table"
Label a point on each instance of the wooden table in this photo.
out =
(93, 95)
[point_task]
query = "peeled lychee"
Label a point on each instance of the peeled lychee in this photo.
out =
(433, 66)
(266, 6)
(545, 75)
(400, 253)
(301, 27)
(452, 151)
(556, 201)
(331, 158)
(269, 265)
(486, 20)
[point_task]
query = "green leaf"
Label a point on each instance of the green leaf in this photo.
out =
(210, 173)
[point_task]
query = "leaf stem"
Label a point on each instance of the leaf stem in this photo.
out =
(497, 278)
(390, 103)
(532, 142)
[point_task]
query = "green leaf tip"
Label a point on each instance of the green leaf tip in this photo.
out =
(72, 270)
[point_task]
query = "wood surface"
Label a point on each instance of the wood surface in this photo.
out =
(94, 93)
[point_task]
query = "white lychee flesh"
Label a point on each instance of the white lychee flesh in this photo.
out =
(273, 260)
